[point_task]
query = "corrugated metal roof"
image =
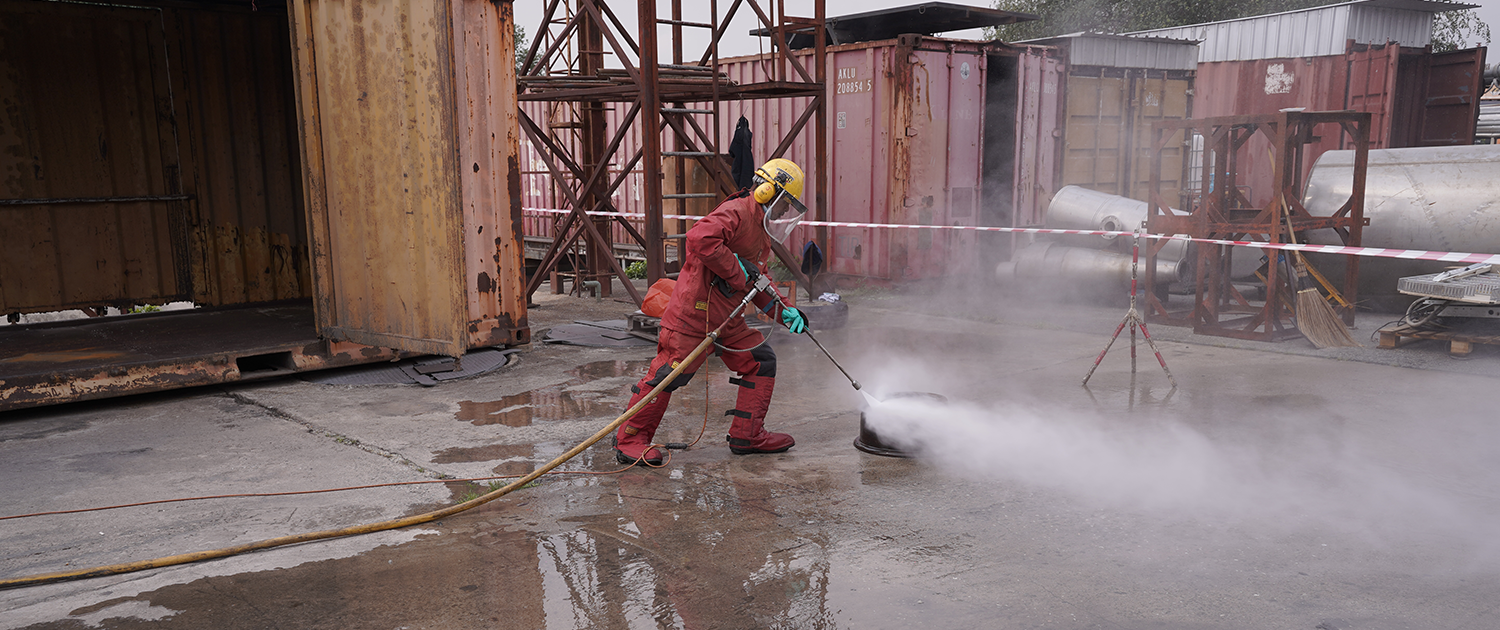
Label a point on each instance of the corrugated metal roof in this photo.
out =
(1119, 51)
(1489, 113)
(1489, 120)
(1314, 32)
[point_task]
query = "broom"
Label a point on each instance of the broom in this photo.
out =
(1316, 320)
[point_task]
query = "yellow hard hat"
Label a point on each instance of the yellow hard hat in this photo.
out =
(778, 173)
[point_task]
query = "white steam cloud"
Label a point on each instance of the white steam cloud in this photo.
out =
(1170, 470)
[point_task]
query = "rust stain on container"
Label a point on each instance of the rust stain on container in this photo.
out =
(187, 107)
(263, 157)
(411, 147)
(62, 356)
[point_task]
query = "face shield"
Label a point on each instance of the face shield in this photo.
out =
(782, 215)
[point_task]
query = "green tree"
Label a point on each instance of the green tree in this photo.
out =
(1458, 29)
(521, 45)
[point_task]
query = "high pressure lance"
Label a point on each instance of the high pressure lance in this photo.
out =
(762, 283)
(815, 341)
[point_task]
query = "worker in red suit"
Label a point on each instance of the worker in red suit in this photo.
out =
(724, 255)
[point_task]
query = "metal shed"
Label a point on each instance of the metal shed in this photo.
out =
(329, 183)
(1314, 32)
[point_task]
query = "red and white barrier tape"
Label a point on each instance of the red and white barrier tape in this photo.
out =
(1379, 252)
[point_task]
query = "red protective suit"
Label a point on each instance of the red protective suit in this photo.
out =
(736, 227)
(697, 307)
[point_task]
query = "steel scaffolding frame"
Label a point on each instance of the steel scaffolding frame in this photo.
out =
(565, 65)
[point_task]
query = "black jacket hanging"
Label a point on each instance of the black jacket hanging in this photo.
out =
(743, 165)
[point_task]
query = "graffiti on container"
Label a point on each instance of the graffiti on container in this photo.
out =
(849, 82)
(1278, 80)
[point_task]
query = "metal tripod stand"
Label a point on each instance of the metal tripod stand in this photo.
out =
(1134, 320)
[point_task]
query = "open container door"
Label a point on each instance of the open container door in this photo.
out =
(375, 90)
(1449, 112)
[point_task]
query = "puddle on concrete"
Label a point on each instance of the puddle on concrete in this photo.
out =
(1135, 394)
(607, 369)
(558, 402)
(643, 550)
(462, 455)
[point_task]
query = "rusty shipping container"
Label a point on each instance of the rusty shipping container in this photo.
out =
(925, 131)
(922, 130)
(320, 200)
(1372, 56)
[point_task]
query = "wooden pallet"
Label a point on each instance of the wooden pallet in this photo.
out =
(1459, 344)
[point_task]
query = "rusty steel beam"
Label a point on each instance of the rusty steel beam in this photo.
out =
(651, 141)
(820, 148)
(107, 380)
(712, 163)
(648, 84)
(594, 155)
(58, 362)
(578, 213)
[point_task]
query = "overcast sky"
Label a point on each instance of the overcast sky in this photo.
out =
(738, 42)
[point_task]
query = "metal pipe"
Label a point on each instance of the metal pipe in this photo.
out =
(1078, 208)
(765, 282)
(1081, 266)
(815, 341)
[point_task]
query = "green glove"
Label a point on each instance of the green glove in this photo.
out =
(794, 320)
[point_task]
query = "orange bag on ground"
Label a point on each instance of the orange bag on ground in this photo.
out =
(657, 296)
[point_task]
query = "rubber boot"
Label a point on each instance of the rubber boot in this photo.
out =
(634, 437)
(747, 434)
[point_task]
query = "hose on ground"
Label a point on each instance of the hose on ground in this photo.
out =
(198, 556)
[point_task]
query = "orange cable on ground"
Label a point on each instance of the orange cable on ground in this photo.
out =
(297, 492)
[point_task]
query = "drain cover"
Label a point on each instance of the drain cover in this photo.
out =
(614, 333)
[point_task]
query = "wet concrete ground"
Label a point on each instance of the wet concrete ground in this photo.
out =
(1278, 487)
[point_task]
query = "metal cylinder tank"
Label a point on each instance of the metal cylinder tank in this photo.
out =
(1428, 198)
(1081, 268)
(1078, 208)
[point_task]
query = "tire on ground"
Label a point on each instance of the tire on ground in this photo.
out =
(824, 315)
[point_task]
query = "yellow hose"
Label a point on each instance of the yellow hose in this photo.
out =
(197, 556)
